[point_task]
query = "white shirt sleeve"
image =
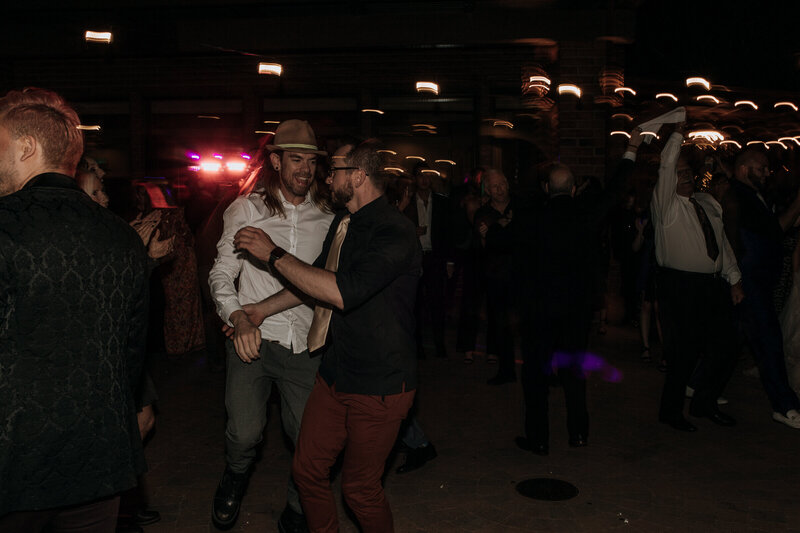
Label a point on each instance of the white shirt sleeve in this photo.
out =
(730, 268)
(664, 194)
(228, 263)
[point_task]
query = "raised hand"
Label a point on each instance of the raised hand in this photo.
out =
(159, 248)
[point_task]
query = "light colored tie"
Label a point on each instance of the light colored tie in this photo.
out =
(318, 331)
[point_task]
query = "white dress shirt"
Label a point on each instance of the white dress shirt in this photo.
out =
(301, 233)
(424, 213)
(680, 243)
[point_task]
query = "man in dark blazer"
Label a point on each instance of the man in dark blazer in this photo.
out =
(557, 273)
(72, 330)
(430, 213)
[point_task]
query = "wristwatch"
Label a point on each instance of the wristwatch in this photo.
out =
(275, 254)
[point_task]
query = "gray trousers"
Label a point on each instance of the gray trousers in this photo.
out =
(247, 389)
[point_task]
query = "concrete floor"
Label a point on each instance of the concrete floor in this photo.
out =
(635, 475)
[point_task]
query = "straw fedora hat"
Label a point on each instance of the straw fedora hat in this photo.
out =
(295, 136)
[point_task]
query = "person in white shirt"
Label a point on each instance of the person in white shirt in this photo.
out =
(267, 351)
(697, 281)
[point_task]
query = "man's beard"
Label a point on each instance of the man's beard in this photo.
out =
(296, 188)
(343, 195)
(758, 182)
(8, 178)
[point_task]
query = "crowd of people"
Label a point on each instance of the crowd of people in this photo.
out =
(328, 276)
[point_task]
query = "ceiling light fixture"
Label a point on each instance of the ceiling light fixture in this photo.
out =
(427, 87)
(746, 102)
(272, 69)
(568, 88)
(98, 36)
(785, 104)
(698, 81)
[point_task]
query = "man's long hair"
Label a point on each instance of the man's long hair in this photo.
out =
(265, 181)
(45, 116)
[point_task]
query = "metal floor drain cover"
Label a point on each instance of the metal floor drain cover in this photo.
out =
(547, 489)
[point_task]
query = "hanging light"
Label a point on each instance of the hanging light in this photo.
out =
(709, 97)
(698, 81)
(568, 88)
(746, 102)
(272, 69)
(785, 104)
(98, 36)
(620, 90)
(427, 87)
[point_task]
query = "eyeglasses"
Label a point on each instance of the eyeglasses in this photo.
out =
(333, 170)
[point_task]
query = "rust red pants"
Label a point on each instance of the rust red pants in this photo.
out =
(365, 427)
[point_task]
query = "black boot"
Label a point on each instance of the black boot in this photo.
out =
(292, 521)
(417, 457)
(228, 499)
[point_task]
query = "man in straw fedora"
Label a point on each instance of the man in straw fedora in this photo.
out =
(269, 351)
(365, 283)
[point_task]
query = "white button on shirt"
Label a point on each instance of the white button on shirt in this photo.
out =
(301, 233)
(680, 243)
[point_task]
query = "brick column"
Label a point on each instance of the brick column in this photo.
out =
(581, 124)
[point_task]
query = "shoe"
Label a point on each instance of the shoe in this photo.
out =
(501, 379)
(578, 440)
(792, 418)
(681, 424)
(145, 517)
(417, 457)
(228, 499)
(468, 358)
(291, 521)
(690, 394)
(491, 359)
(128, 527)
(645, 354)
(718, 417)
(539, 448)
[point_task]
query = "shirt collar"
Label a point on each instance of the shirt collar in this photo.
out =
(287, 203)
(51, 179)
(371, 209)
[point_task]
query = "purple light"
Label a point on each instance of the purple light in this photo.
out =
(246, 156)
(218, 156)
(585, 363)
(192, 155)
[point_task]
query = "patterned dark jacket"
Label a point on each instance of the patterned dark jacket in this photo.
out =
(73, 323)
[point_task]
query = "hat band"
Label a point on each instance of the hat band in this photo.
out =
(303, 146)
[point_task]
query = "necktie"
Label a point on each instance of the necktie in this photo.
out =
(322, 313)
(712, 248)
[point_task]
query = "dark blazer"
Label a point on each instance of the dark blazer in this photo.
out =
(73, 300)
(558, 247)
(441, 244)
